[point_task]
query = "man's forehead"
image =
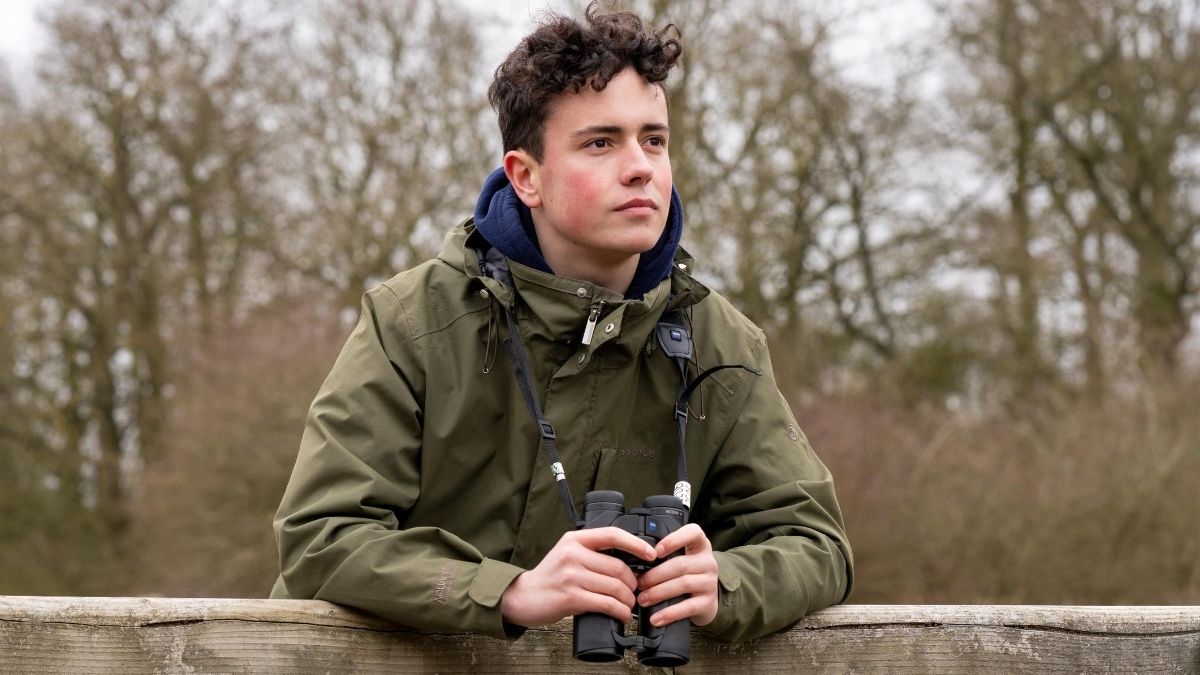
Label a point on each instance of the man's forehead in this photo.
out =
(625, 104)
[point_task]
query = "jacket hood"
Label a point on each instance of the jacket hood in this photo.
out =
(506, 223)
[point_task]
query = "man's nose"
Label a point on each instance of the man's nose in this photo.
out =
(637, 167)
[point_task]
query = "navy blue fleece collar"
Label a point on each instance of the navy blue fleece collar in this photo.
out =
(507, 224)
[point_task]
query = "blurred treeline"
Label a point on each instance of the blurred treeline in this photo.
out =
(979, 268)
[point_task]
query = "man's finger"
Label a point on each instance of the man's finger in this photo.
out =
(602, 584)
(677, 567)
(685, 609)
(600, 603)
(603, 538)
(691, 584)
(609, 566)
(690, 538)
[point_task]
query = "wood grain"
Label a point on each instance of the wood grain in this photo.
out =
(178, 635)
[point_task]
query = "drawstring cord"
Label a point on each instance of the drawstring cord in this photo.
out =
(699, 417)
(493, 335)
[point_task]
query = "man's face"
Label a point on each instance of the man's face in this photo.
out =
(604, 182)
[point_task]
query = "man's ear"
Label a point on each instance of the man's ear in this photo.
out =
(523, 172)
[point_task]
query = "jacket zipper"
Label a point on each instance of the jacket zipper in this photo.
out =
(590, 327)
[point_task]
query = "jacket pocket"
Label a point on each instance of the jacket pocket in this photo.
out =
(635, 473)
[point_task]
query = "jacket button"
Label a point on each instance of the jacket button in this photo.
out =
(582, 358)
(581, 292)
(483, 293)
(609, 328)
(682, 266)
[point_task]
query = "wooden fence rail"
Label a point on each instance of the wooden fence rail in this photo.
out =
(173, 635)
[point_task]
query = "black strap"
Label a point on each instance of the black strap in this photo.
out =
(676, 342)
(516, 354)
(687, 391)
(681, 407)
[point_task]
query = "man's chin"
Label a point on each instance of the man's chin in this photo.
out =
(644, 239)
(615, 256)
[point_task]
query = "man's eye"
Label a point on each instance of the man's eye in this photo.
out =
(598, 143)
(657, 141)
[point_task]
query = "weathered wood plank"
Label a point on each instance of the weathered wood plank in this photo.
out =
(169, 635)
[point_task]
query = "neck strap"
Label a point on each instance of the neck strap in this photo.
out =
(676, 342)
(515, 346)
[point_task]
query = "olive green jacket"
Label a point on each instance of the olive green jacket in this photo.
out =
(421, 490)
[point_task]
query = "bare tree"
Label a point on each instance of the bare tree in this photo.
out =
(1089, 111)
(794, 176)
(391, 139)
(1124, 112)
(127, 192)
(1003, 123)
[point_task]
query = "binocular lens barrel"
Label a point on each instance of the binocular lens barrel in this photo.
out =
(604, 500)
(599, 638)
(662, 501)
(594, 640)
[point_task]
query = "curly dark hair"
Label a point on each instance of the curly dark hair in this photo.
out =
(563, 55)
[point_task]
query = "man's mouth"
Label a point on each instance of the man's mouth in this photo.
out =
(638, 205)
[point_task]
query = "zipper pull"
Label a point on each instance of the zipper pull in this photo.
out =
(590, 327)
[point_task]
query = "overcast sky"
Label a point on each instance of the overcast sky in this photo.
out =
(864, 46)
(19, 34)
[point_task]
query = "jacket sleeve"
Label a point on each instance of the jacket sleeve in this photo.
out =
(358, 470)
(769, 509)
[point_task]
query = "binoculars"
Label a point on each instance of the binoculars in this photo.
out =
(599, 638)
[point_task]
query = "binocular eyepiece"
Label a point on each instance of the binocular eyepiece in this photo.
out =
(600, 638)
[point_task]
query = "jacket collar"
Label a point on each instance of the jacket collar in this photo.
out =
(554, 310)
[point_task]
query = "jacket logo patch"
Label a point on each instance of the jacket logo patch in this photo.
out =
(634, 452)
(445, 583)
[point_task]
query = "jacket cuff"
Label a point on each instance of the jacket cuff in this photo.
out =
(728, 581)
(492, 578)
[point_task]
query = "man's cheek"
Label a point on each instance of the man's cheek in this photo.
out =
(584, 201)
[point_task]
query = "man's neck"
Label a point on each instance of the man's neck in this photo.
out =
(617, 276)
(567, 260)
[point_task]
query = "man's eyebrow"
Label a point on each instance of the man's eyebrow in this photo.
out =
(613, 129)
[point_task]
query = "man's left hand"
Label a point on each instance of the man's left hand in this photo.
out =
(694, 573)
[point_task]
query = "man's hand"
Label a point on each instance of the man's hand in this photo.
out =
(575, 577)
(693, 573)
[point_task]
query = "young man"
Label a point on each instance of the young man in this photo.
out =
(422, 493)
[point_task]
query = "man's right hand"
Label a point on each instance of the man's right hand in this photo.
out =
(575, 578)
